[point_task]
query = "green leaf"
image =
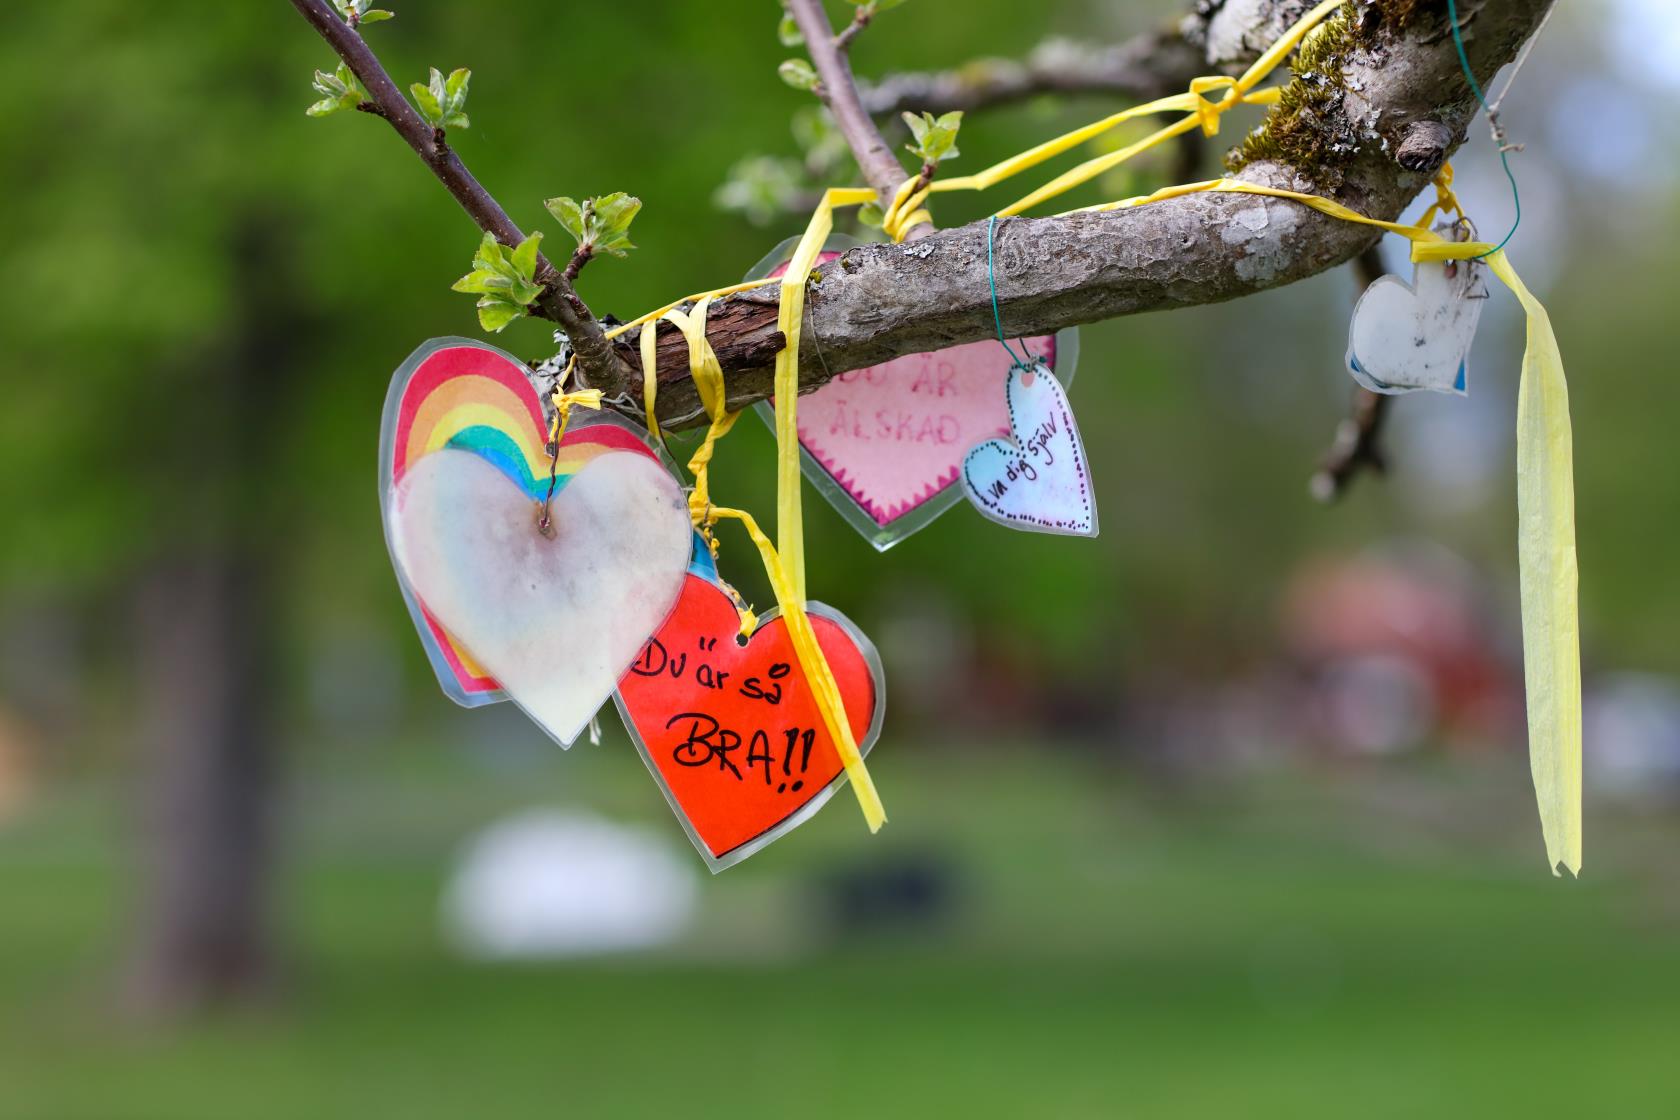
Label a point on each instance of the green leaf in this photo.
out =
(476, 282)
(495, 313)
(935, 139)
(442, 101)
(600, 224)
(455, 89)
(504, 279)
(919, 125)
(330, 84)
(341, 90)
(491, 255)
(871, 215)
(879, 6)
(377, 15)
(797, 73)
(788, 31)
(616, 211)
(426, 101)
(524, 258)
(569, 214)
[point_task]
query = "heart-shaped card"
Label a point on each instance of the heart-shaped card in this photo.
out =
(1037, 478)
(730, 729)
(1417, 336)
(885, 444)
(549, 619)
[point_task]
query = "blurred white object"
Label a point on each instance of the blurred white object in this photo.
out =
(1632, 733)
(548, 883)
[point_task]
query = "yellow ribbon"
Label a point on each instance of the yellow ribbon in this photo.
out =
(1547, 573)
(813, 663)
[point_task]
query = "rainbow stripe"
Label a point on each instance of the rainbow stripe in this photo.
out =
(471, 397)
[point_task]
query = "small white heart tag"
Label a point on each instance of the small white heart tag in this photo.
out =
(1038, 480)
(1405, 337)
(556, 620)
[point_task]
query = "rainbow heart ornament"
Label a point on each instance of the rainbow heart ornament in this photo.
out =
(730, 729)
(505, 610)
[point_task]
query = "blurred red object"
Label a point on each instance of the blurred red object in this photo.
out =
(1400, 644)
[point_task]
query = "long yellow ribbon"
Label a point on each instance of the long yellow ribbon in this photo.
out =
(1547, 573)
(813, 663)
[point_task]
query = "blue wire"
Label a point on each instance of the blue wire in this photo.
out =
(1476, 88)
(991, 278)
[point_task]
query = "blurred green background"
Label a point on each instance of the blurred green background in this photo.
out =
(1226, 812)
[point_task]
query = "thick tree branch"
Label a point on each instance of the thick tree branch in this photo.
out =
(1149, 66)
(882, 301)
(839, 91)
(559, 301)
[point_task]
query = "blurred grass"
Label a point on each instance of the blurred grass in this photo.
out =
(1380, 943)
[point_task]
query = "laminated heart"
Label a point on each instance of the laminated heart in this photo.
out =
(554, 618)
(1417, 336)
(885, 444)
(548, 619)
(731, 731)
(1038, 479)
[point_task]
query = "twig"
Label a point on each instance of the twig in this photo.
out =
(839, 91)
(1148, 66)
(1356, 445)
(860, 20)
(559, 301)
(581, 256)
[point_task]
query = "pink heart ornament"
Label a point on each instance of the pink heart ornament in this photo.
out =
(885, 444)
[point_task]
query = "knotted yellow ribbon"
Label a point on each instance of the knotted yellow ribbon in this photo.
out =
(813, 663)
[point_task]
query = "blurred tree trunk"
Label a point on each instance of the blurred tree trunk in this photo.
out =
(208, 774)
(205, 641)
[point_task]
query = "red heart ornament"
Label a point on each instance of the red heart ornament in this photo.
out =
(731, 731)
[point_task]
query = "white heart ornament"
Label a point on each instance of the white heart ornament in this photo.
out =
(555, 619)
(1417, 336)
(1038, 480)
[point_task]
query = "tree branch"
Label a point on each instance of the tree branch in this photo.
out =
(1358, 437)
(860, 20)
(882, 301)
(559, 301)
(1149, 66)
(839, 91)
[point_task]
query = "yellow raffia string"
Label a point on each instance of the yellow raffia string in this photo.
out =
(813, 663)
(1546, 551)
